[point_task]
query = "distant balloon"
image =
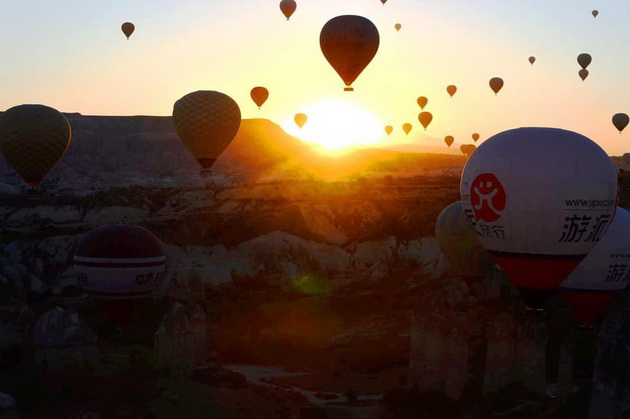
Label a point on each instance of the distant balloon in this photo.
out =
(620, 121)
(422, 102)
(449, 140)
(389, 129)
(532, 60)
(259, 95)
(584, 60)
(32, 139)
(128, 29)
(467, 149)
(475, 137)
(383, 1)
(451, 89)
(425, 119)
(407, 128)
(583, 74)
(119, 261)
(593, 284)
(518, 170)
(460, 244)
(288, 7)
(206, 121)
(349, 43)
(300, 119)
(594, 13)
(397, 26)
(496, 84)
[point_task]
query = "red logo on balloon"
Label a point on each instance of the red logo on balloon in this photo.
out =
(487, 197)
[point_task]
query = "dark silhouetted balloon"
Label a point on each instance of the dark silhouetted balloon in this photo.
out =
(584, 60)
(407, 128)
(449, 140)
(467, 149)
(583, 74)
(383, 1)
(594, 13)
(259, 95)
(288, 7)
(532, 60)
(513, 170)
(300, 119)
(496, 84)
(397, 26)
(620, 121)
(425, 119)
(349, 43)
(451, 89)
(32, 139)
(128, 29)
(206, 121)
(422, 102)
(389, 129)
(475, 137)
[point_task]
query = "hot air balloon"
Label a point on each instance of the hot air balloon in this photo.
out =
(583, 74)
(451, 89)
(496, 83)
(467, 149)
(206, 121)
(349, 43)
(460, 245)
(119, 264)
(259, 95)
(300, 119)
(389, 129)
(425, 119)
(422, 102)
(449, 140)
(383, 1)
(128, 29)
(32, 139)
(475, 137)
(288, 7)
(602, 274)
(620, 121)
(407, 128)
(584, 60)
(539, 199)
(397, 26)
(532, 60)
(594, 13)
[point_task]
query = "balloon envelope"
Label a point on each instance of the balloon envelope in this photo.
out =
(594, 13)
(584, 60)
(475, 137)
(532, 60)
(300, 119)
(460, 245)
(449, 140)
(620, 121)
(128, 29)
(451, 90)
(349, 43)
(206, 121)
(583, 74)
(259, 95)
(389, 129)
(422, 102)
(602, 273)
(425, 119)
(407, 128)
(288, 7)
(397, 26)
(539, 199)
(32, 139)
(119, 261)
(496, 83)
(467, 149)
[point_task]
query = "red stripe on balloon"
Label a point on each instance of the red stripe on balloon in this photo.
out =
(587, 306)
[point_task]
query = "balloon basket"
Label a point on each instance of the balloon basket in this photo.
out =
(348, 89)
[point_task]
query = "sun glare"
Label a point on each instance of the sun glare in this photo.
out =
(336, 126)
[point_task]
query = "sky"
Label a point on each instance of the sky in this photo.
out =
(73, 56)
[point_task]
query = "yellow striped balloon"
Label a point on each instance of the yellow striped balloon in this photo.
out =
(32, 139)
(206, 121)
(460, 245)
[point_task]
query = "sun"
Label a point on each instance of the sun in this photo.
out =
(336, 126)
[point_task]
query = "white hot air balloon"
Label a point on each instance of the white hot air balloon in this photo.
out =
(539, 199)
(602, 274)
